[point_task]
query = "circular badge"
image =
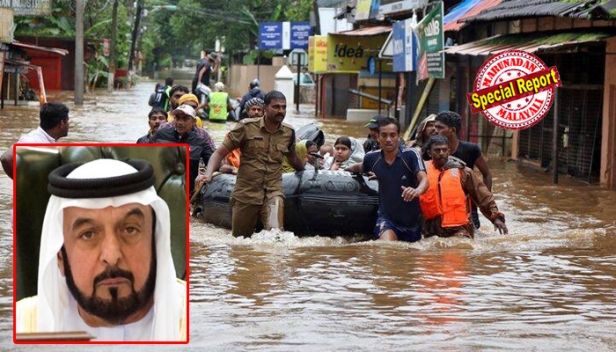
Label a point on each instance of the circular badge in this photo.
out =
(514, 89)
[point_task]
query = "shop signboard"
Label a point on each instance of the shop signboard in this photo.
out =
(430, 36)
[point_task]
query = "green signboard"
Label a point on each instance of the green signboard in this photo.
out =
(430, 34)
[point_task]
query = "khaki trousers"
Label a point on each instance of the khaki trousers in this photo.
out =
(245, 216)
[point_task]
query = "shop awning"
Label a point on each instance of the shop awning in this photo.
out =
(454, 20)
(528, 42)
(366, 31)
(510, 10)
(58, 51)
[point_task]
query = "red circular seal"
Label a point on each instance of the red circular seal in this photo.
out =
(514, 89)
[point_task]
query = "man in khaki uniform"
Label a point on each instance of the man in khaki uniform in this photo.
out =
(258, 190)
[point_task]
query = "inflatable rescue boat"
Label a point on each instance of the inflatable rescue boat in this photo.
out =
(319, 202)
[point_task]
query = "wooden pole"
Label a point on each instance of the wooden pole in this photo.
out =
(134, 34)
(396, 112)
(555, 139)
(420, 105)
(469, 88)
(112, 46)
(297, 85)
(317, 88)
(16, 85)
(380, 85)
(79, 57)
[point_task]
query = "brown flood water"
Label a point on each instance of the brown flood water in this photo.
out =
(548, 286)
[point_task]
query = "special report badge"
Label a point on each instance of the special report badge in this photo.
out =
(514, 90)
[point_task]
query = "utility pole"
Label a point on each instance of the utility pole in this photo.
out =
(112, 54)
(133, 40)
(79, 74)
(218, 58)
(317, 18)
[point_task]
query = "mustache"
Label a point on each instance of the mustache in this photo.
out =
(113, 273)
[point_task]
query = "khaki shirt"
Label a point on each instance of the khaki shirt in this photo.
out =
(260, 174)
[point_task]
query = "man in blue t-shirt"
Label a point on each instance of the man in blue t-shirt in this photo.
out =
(402, 178)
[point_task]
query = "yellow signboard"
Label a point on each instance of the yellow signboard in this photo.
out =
(362, 12)
(317, 54)
(349, 54)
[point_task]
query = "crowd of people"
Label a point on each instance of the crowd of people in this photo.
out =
(426, 186)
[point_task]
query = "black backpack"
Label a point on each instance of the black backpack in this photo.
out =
(159, 98)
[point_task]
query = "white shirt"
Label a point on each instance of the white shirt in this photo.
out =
(138, 331)
(36, 136)
(328, 160)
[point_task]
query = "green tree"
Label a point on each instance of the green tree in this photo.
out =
(299, 10)
(194, 25)
(97, 25)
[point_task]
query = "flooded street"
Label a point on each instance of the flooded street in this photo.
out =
(550, 285)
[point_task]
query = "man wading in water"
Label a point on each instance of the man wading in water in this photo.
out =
(258, 190)
(402, 178)
(446, 205)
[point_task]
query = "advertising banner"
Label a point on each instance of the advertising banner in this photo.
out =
(317, 54)
(106, 43)
(393, 6)
(362, 12)
(404, 47)
(270, 35)
(6, 25)
(28, 7)
(349, 54)
(430, 35)
(300, 31)
(283, 35)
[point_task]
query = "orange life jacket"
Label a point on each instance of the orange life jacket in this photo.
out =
(233, 158)
(445, 197)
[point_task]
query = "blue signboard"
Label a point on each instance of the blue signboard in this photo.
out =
(404, 47)
(270, 35)
(284, 35)
(300, 31)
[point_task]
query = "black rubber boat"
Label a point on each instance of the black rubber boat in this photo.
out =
(325, 203)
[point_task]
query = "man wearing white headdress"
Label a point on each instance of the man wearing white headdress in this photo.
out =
(105, 264)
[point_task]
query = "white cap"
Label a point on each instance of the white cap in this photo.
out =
(185, 108)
